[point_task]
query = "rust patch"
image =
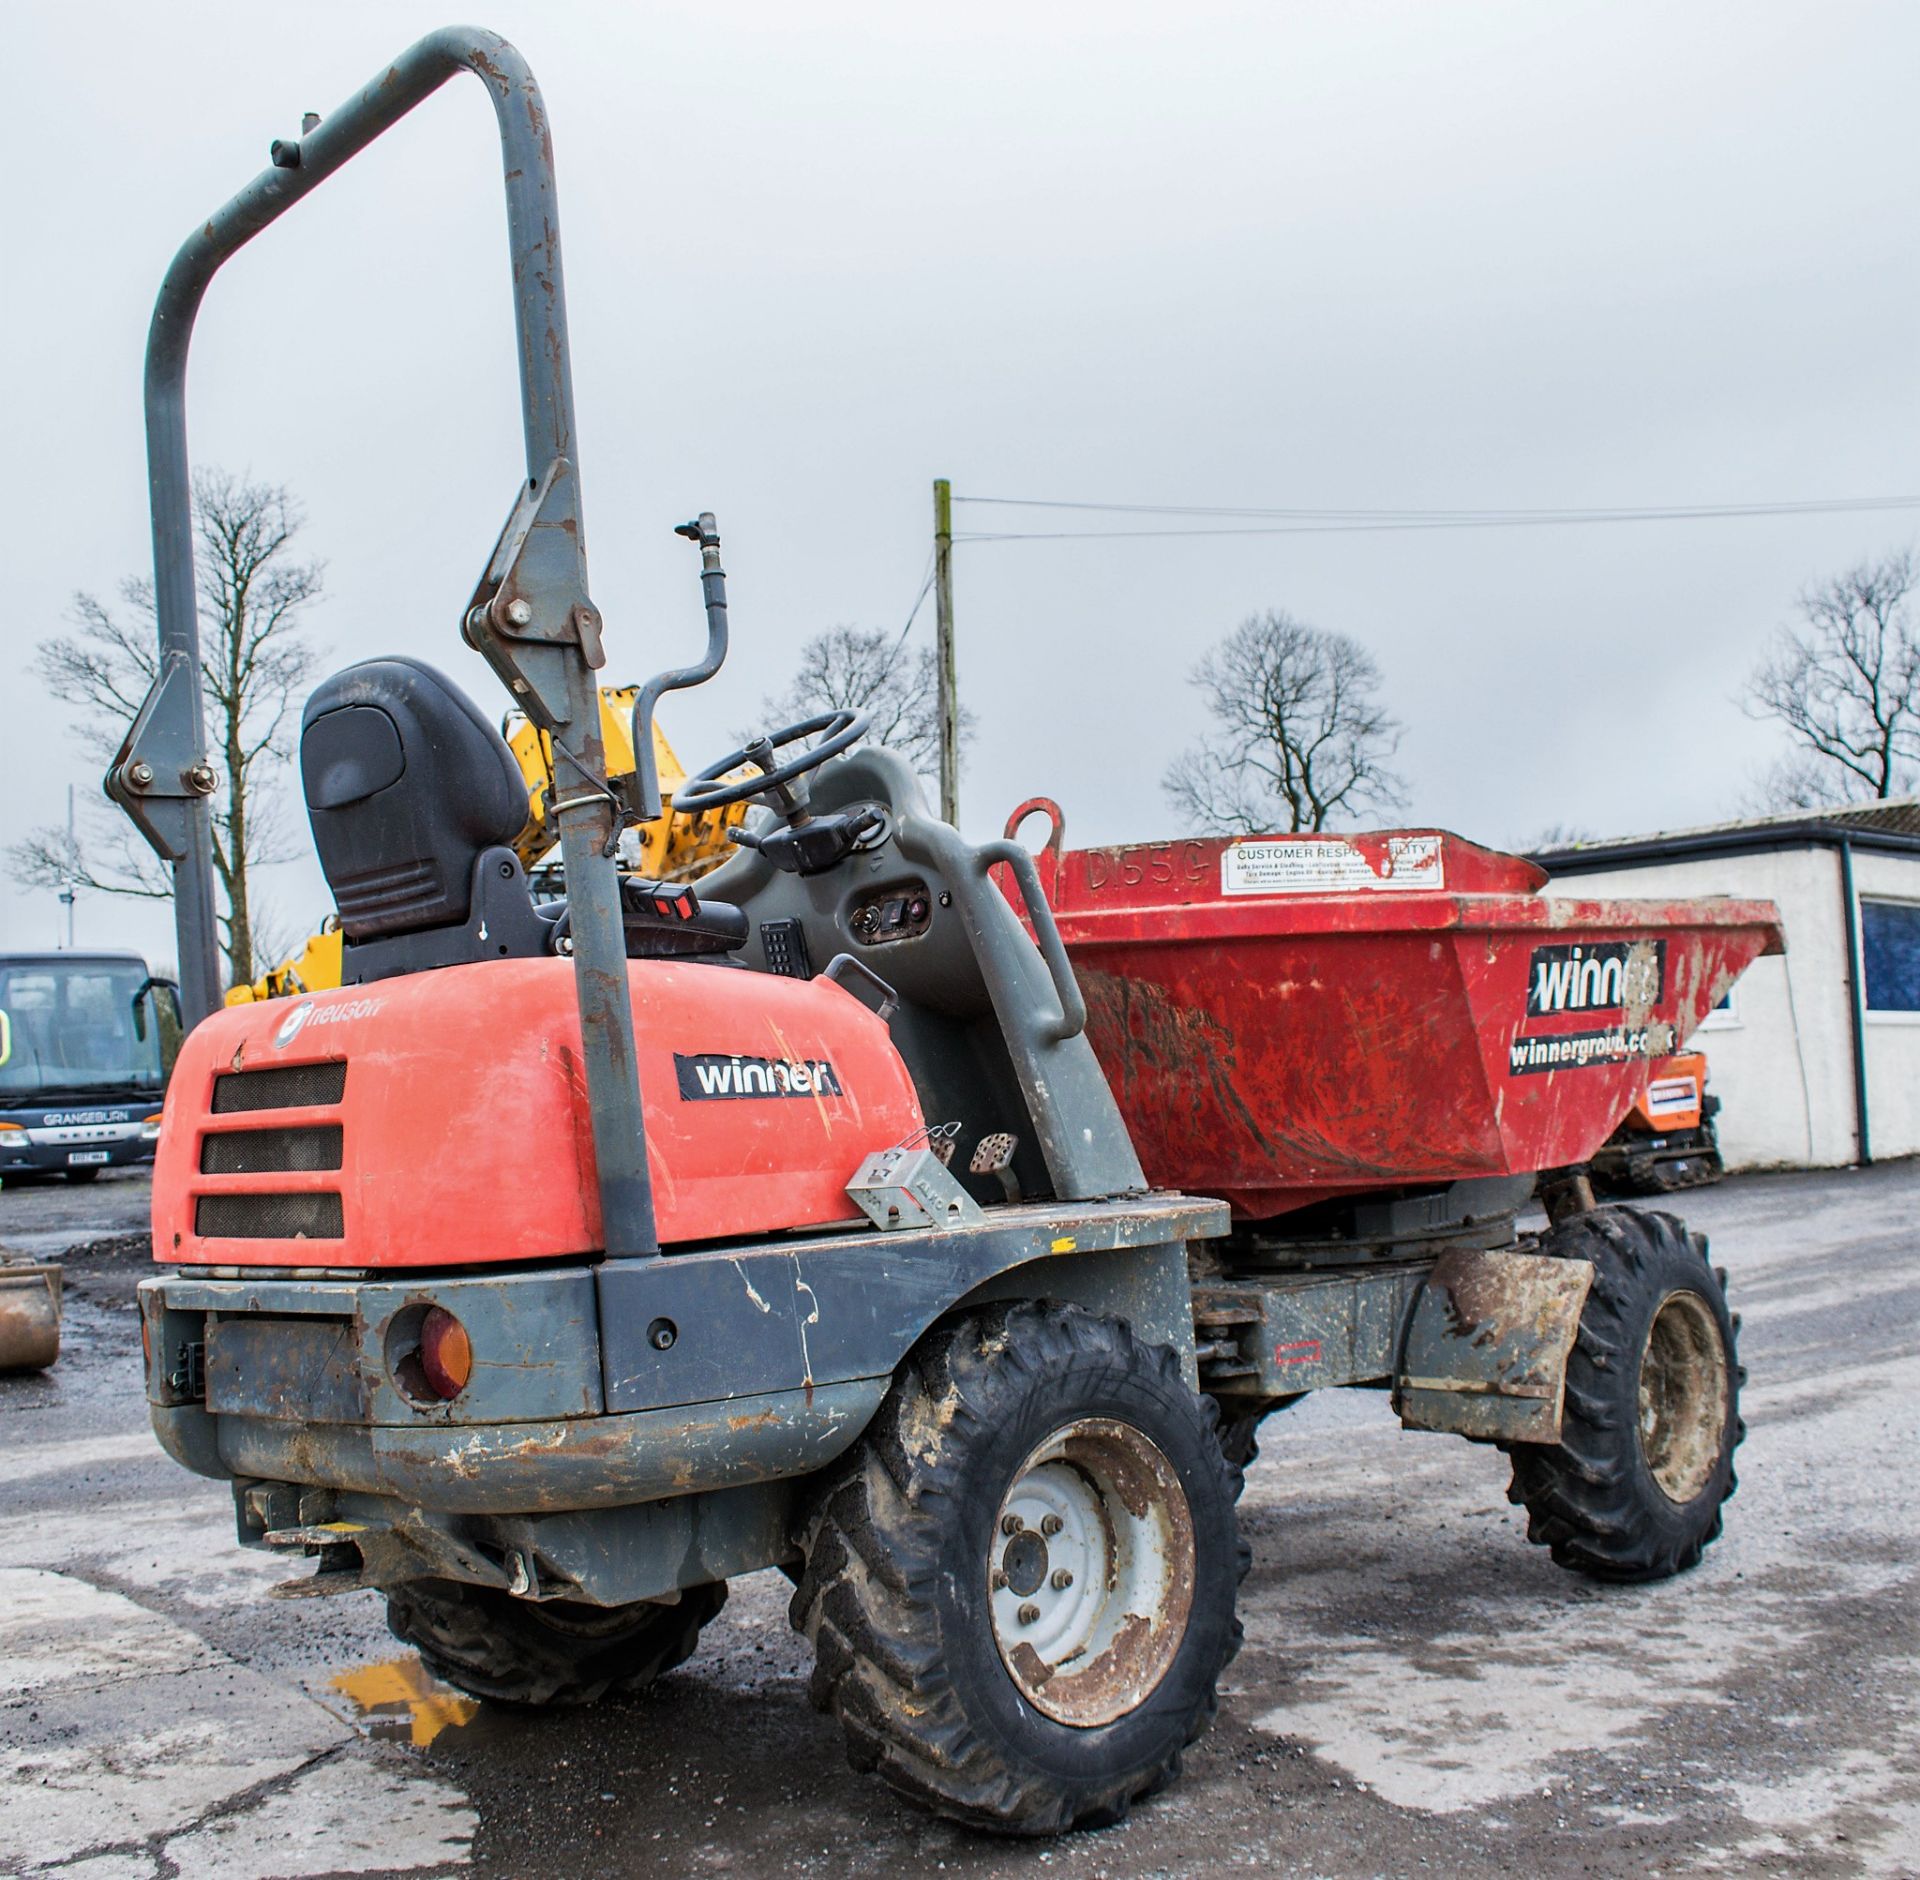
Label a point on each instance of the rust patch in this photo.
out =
(1031, 1669)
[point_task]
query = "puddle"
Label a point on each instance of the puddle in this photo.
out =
(400, 1700)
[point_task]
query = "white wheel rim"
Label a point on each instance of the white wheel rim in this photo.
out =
(1683, 1397)
(1090, 1572)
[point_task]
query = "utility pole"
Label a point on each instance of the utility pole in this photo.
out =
(949, 675)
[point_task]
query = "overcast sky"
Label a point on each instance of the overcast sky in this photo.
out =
(1267, 254)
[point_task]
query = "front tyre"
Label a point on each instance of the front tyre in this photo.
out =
(535, 1653)
(1020, 1590)
(1634, 1487)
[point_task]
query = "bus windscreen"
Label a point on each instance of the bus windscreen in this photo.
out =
(80, 1028)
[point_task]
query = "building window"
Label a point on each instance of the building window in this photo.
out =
(1890, 944)
(1726, 1015)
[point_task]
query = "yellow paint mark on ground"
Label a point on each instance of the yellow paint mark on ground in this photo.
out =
(402, 1692)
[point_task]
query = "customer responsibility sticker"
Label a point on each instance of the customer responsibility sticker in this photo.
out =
(1330, 865)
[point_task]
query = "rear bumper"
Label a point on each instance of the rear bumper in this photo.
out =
(282, 1388)
(523, 1468)
(300, 1381)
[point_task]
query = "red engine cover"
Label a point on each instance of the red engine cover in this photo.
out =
(441, 1119)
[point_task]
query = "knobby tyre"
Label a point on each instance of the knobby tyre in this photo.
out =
(538, 1653)
(1020, 1587)
(1634, 1488)
(1240, 1426)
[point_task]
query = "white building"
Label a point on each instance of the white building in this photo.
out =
(1816, 1056)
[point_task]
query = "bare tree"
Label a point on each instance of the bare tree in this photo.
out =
(1558, 835)
(857, 669)
(1797, 781)
(1846, 684)
(255, 660)
(1302, 734)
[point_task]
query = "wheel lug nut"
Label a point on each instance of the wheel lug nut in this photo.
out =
(1062, 1579)
(1052, 1524)
(999, 1578)
(1011, 1524)
(1028, 1614)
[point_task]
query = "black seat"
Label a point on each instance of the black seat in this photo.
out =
(415, 801)
(406, 785)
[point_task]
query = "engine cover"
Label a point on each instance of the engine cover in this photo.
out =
(441, 1119)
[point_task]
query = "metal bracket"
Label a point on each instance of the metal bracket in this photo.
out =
(160, 774)
(188, 1378)
(531, 603)
(910, 1187)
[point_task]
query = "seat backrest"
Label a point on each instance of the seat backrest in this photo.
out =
(406, 784)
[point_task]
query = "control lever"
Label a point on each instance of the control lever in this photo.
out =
(813, 845)
(713, 588)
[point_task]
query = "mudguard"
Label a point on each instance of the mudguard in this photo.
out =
(1486, 1347)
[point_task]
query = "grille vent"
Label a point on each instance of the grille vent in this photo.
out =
(286, 1087)
(269, 1217)
(271, 1151)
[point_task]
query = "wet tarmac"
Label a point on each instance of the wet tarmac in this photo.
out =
(1420, 1692)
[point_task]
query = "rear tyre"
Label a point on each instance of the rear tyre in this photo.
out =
(1634, 1487)
(1240, 1439)
(1020, 1590)
(553, 1652)
(1240, 1428)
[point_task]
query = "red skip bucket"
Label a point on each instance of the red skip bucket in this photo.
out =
(1286, 1019)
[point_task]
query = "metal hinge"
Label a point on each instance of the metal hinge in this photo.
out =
(188, 1378)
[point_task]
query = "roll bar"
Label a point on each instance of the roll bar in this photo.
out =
(530, 617)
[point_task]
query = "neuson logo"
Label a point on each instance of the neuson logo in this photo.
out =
(711, 1075)
(292, 1025)
(1602, 976)
(307, 1013)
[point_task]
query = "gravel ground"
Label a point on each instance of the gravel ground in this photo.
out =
(1420, 1690)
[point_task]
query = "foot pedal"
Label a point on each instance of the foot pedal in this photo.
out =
(993, 1155)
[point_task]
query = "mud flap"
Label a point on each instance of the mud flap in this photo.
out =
(1486, 1346)
(29, 1317)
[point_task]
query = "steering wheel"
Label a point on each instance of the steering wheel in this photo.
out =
(709, 790)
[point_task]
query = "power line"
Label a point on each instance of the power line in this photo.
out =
(913, 613)
(1361, 514)
(1370, 521)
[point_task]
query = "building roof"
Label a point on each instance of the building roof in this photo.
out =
(1891, 825)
